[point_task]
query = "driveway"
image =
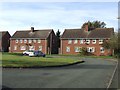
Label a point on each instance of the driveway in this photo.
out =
(93, 73)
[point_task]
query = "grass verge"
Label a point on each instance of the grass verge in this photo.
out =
(103, 57)
(17, 60)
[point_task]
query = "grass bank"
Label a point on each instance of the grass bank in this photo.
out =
(81, 56)
(18, 60)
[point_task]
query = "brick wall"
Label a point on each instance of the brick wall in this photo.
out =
(13, 44)
(64, 44)
(5, 43)
(52, 43)
(49, 45)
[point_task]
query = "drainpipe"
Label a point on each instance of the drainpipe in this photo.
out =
(61, 47)
(45, 46)
(50, 49)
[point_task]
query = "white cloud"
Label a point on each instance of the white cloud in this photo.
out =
(59, 1)
(53, 17)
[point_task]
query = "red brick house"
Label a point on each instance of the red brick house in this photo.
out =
(4, 41)
(43, 40)
(73, 40)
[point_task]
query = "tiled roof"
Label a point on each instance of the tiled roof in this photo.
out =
(42, 34)
(101, 33)
(2, 33)
(81, 33)
(74, 33)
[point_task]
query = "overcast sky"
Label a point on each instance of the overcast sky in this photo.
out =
(55, 15)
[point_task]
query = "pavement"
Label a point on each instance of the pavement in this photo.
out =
(115, 83)
(93, 73)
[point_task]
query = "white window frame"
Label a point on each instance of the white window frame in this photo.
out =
(91, 48)
(39, 41)
(77, 49)
(87, 41)
(94, 41)
(25, 40)
(16, 41)
(67, 49)
(31, 47)
(22, 47)
(40, 48)
(21, 41)
(81, 41)
(15, 47)
(102, 49)
(75, 41)
(29, 41)
(34, 40)
(69, 41)
(100, 41)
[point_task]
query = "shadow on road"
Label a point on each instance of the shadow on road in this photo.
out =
(5, 88)
(82, 66)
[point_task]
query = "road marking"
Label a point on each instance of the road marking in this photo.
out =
(112, 76)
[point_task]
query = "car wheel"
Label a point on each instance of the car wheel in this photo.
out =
(26, 54)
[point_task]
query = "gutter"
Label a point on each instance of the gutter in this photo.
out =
(84, 38)
(113, 74)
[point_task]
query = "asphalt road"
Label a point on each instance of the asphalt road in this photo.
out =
(93, 73)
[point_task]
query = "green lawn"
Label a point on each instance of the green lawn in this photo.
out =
(18, 60)
(81, 56)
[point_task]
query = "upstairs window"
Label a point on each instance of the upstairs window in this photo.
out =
(69, 41)
(94, 41)
(100, 41)
(75, 41)
(16, 40)
(87, 41)
(30, 41)
(81, 41)
(25, 41)
(34, 41)
(39, 41)
(21, 41)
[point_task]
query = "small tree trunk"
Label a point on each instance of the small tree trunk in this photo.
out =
(113, 53)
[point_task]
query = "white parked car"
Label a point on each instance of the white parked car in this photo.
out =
(28, 52)
(31, 54)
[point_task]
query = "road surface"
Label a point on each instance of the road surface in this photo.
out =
(93, 73)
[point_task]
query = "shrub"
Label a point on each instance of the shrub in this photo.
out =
(83, 51)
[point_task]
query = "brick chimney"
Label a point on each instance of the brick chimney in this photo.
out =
(86, 28)
(32, 29)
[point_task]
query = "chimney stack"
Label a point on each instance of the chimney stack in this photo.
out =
(32, 29)
(86, 27)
